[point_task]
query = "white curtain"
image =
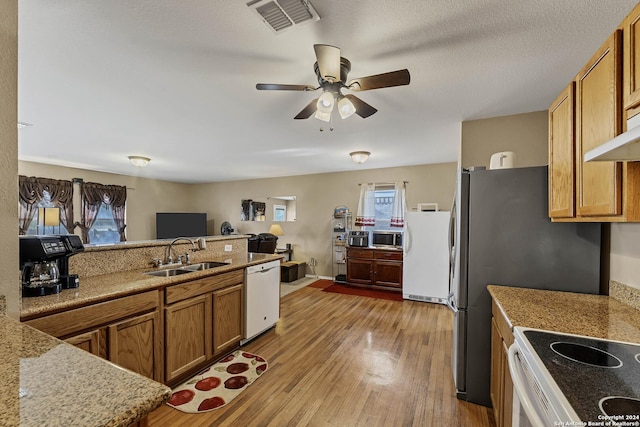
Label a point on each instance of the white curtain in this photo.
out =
(366, 214)
(397, 214)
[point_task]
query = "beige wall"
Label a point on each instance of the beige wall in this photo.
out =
(9, 277)
(317, 196)
(145, 196)
(525, 134)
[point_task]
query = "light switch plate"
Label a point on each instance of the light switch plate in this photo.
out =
(228, 248)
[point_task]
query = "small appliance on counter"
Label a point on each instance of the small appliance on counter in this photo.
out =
(387, 239)
(359, 239)
(44, 261)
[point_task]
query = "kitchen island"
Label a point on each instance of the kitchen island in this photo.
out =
(163, 326)
(120, 314)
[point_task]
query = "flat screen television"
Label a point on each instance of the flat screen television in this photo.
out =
(170, 225)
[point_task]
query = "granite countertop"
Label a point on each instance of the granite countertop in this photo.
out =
(596, 316)
(63, 385)
(106, 287)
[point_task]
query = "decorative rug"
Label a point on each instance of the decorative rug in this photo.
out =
(371, 293)
(219, 384)
(321, 283)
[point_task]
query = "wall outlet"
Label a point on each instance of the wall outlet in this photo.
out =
(228, 248)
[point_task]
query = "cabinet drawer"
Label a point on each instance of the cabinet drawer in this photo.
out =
(201, 286)
(390, 255)
(84, 318)
(360, 253)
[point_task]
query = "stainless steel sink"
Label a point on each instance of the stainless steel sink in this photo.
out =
(186, 269)
(205, 265)
(168, 273)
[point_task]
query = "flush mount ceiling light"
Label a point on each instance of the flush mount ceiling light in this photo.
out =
(139, 161)
(359, 156)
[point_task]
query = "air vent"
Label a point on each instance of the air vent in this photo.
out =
(281, 15)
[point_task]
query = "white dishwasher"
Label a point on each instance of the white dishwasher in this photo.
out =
(261, 298)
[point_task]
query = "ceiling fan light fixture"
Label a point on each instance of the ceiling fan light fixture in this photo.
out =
(326, 102)
(324, 116)
(345, 107)
(139, 161)
(359, 156)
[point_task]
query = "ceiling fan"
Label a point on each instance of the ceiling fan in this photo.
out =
(331, 70)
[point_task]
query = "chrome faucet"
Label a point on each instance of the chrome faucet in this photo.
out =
(169, 258)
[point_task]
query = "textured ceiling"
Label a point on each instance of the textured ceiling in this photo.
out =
(175, 80)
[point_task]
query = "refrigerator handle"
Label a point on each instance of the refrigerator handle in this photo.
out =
(451, 303)
(406, 239)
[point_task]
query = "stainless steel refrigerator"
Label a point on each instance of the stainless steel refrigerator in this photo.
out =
(500, 234)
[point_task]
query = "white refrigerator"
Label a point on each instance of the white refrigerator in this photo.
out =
(425, 270)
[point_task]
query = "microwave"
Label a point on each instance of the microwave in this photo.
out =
(386, 239)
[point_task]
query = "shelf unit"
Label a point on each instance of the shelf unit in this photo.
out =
(340, 227)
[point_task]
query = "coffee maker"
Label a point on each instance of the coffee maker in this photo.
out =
(44, 261)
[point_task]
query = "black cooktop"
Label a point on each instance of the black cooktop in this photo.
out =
(597, 377)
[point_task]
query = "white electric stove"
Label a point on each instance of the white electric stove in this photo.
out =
(563, 379)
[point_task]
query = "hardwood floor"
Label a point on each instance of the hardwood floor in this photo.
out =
(341, 360)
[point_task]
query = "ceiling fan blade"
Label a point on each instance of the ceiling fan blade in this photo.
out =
(308, 110)
(269, 86)
(328, 62)
(363, 109)
(393, 78)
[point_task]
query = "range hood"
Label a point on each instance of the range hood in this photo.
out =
(625, 146)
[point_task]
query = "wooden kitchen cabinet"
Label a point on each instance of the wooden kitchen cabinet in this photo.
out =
(228, 319)
(562, 160)
(126, 331)
(134, 344)
(374, 267)
(631, 62)
(203, 318)
(598, 119)
(501, 390)
(188, 337)
(93, 342)
(602, 191)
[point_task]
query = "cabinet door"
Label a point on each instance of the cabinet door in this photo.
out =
(187, 335)
(631, 60)
(228, 322)
(134, 344)
(92, 342)
(599, 190)
(388, 273)
(359, 271)
(562, 155)
(496, 373)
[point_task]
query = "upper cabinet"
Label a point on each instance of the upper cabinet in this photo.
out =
(562, 197)
(631, 61)
(597, 121)
(589, 112)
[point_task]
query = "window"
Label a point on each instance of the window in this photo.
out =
(381, 206)
(279, 213)
(104, 229)
(384, 198)
(103, 213)
(36, 225)
(36, 194)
